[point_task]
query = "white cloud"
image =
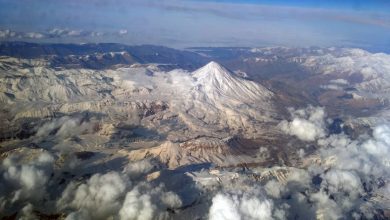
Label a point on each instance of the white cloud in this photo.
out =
(65, 127)
(79, 215)
(55, 33)
(138, 168)
(339, 81)
(27, 213)
(342, 181)
(99, 196)
(10, 34)
(122, 32)
(145, 202)
(332, 87)
(26, 182)
(7, 34)
(244, 205)
(65, 32)
(380, 145)
(33, 35)
(346, 169)
(224, 208)
(112, 195)
(306, 124)
(326, 208)
(137, 206)
(349, 168)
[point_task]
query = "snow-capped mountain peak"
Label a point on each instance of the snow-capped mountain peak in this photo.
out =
(216, 81)
(212, 69)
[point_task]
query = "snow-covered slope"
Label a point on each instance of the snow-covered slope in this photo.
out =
(225, 101)
(213, 105)
(210, 103)
(216, 82)
(368, 72)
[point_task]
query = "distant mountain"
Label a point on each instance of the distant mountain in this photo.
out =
(103, 55)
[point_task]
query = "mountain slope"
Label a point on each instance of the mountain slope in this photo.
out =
(226, 102)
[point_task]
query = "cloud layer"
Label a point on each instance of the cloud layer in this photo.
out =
(344, 178)
(193, 23)
(28, 185)
(58, 33)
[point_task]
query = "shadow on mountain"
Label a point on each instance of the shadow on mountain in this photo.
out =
(189, 194)
(128, 134)
(24, 128)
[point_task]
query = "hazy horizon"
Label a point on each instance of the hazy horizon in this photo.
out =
(182, 24)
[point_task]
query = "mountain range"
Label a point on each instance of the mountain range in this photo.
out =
(109, 131)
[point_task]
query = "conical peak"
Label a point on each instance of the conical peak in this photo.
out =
(214, 66)
(211, 69)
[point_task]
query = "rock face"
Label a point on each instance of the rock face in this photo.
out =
(202, 150)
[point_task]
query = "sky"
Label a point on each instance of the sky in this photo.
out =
(186, 23)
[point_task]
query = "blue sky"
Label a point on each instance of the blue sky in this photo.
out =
(335, 4)
(183, 23)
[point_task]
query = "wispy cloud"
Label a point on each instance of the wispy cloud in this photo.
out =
(7, 34)
(257, 11)
(181, 23)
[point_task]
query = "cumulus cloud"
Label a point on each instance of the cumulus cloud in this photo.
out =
(99, 196)
(65, 127)
(25, 181)
(345, 171)
(118, 195)
(306, 124)
(326, 208)
(353, 168)
(102, 197)
(145, 202)
(249, 205)
(365, 156)
(139, 168)
(345, 178)
(28, 183)
(137, 206)
(27, 213)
